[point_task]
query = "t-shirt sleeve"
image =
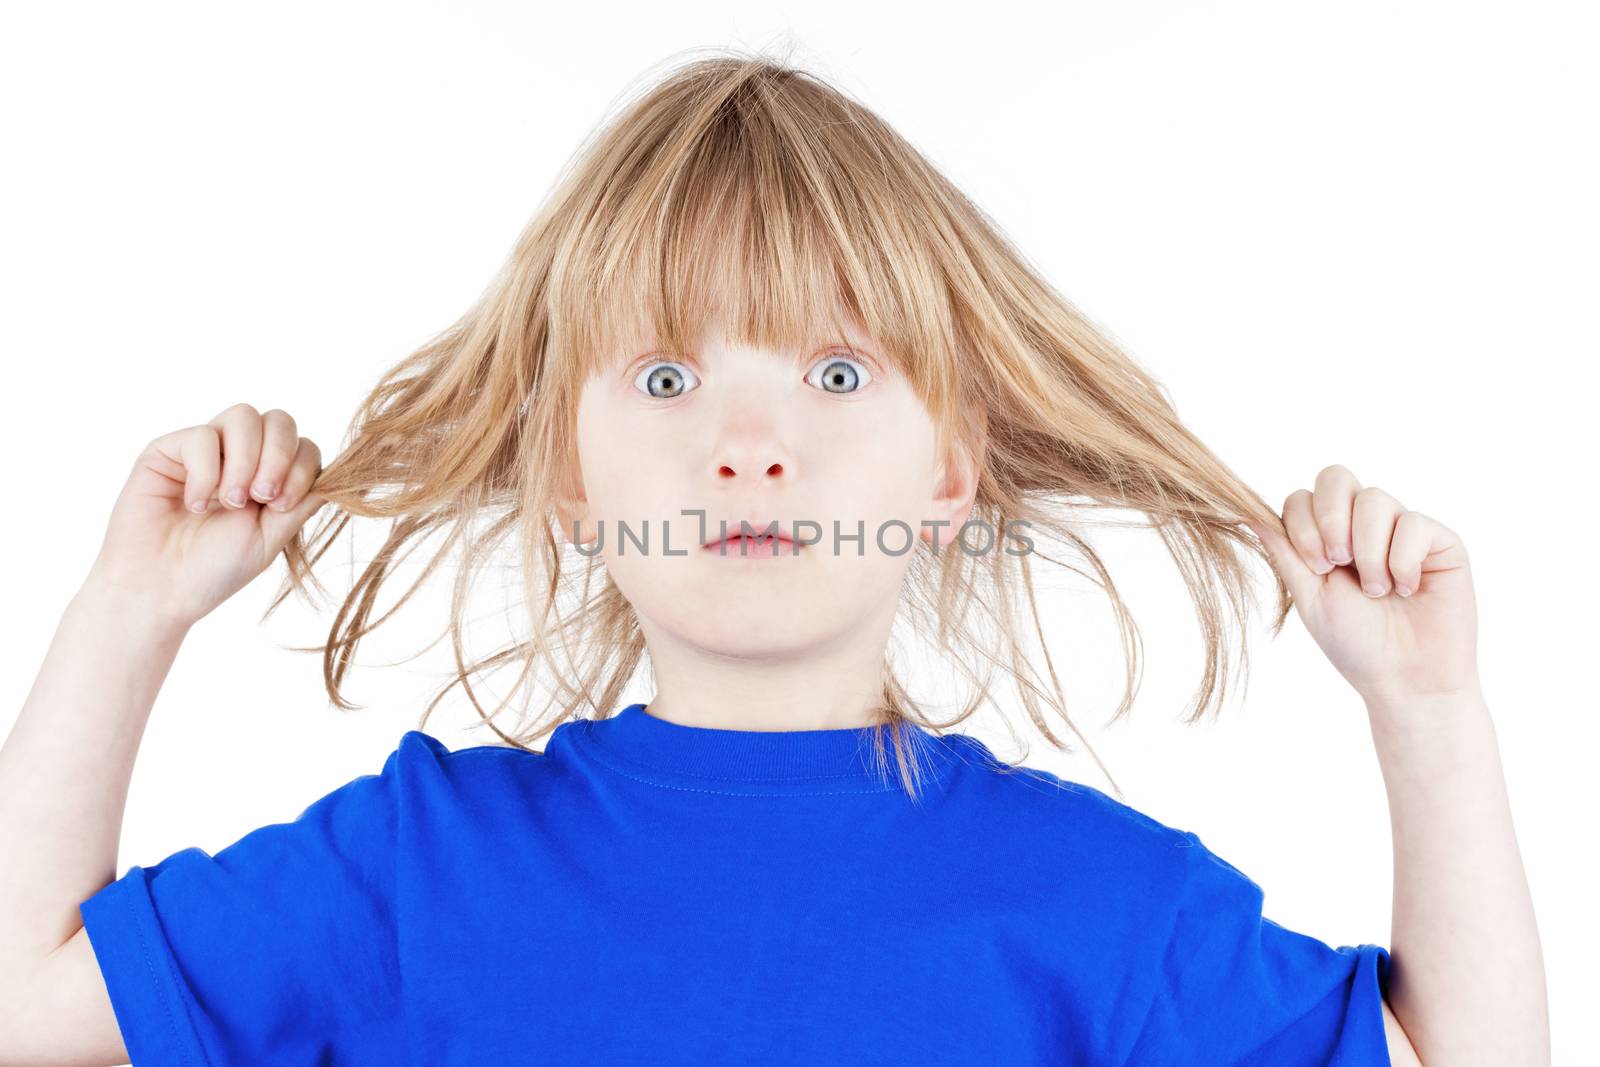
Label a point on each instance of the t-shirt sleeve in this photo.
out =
(281, 948)
(1236, 988)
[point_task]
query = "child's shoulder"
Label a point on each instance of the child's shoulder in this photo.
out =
(421, 757)
(1033, 792)
(412, 740)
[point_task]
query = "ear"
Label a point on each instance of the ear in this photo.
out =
(955, 490)
(572, 508)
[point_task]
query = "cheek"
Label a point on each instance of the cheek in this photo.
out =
(624, 466)
(884, 470)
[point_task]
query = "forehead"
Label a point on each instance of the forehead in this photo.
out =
(714, 328)
(718, 332)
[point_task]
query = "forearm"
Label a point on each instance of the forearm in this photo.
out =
(66, 765)
(1468, 981)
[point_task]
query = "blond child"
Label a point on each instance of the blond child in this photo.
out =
(750, 301)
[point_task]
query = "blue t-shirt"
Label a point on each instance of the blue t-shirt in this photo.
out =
(645, 892)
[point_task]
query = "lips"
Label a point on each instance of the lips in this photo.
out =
(758, 534)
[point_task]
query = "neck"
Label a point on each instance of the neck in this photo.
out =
(839, 686)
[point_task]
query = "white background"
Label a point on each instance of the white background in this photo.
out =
(1362, 234)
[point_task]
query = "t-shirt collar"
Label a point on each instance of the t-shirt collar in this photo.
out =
(646, 740)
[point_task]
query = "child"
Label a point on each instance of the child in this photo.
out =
(747, 302)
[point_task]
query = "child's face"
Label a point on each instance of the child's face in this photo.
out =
(737, 432)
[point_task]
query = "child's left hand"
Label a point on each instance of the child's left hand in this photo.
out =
(1342, 538)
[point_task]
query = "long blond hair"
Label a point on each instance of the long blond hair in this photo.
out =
(743, 176)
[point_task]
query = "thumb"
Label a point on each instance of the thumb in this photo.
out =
(277, 527)
(1301, 579)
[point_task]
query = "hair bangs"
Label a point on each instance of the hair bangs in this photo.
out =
(775, 219)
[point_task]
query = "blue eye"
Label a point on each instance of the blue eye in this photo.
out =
(664, 380)
(840, 375)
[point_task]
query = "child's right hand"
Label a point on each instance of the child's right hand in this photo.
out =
(179, 563)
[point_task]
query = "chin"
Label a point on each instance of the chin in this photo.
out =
(750, 627)
(745, 618)
(743, 627)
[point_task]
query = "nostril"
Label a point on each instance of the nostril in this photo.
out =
(726, 471)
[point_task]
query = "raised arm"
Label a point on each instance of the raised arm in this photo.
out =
(1387, 595)
(1468, 983)
(67, 762)
(64, 773)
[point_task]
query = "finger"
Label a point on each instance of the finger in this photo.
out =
(1413, 539)
(1302, 582)
(280, 442)
(240, 427)
(1332, 498)
(278, 526)
(1301, 526)
(1372, 524)
(200, 452)
(302, 473)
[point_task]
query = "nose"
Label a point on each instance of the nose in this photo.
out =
(751, 448)
(749, 465)
(752, 422)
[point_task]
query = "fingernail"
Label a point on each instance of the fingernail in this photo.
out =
(1341, 557)
(1322, 566)
(1402, 590)
(264, 492)
(236, 497)
(198, 506)
(1374, 590)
